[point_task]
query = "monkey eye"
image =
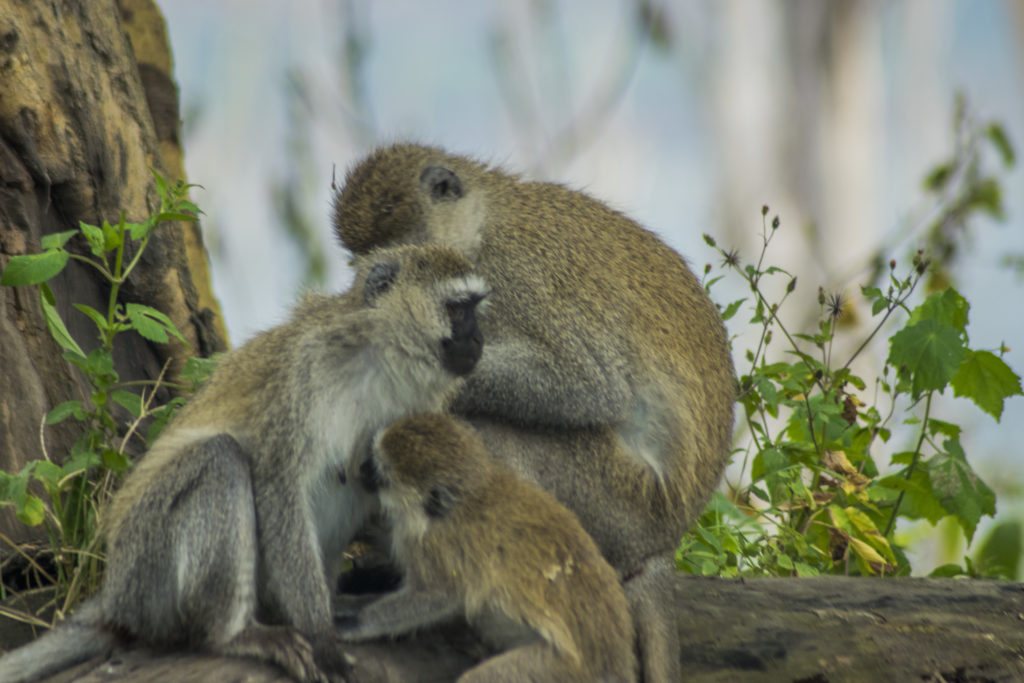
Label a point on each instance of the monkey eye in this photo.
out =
(379, 280)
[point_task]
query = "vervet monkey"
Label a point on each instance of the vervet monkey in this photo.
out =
(607, 377)
(474, 539)
(223, 538)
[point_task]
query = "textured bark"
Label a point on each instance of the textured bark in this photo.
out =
(829, 629)
(83, 117)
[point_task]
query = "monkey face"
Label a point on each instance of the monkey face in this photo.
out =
(426, 465)
(425, 299)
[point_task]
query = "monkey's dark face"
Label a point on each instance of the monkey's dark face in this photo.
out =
(427, 298)
(462, 350)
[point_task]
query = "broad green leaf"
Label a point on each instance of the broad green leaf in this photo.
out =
(959, 489)
(48, 473)
(927, 353)
(198, 370)
(151, 323)
(766, 463)
(139, 230)
(54, 323)
(63, 411)
(115, 461)
(33, 269)
(99, 362)
(1000, 553)
(56, 240)
(805, 570)
(946, 307)
(31, 511)
(94, 235)
(919, 498)
(984, 378)
(945, 428)
(947, 571)
(129, 401)
(112, 236)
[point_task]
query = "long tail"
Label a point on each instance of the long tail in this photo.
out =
(80, 638)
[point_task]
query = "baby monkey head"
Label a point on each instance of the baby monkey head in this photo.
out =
(427, 465)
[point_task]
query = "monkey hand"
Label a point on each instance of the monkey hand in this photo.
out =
(330, 656)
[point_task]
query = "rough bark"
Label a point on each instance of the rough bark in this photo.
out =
(83, 117)
(829, 629)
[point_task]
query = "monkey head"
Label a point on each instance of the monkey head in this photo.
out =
(401, 194)
(415, 295)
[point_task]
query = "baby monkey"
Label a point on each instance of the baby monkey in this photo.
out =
(476, 540)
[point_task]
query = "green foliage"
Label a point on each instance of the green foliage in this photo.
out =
(822, 497)
(75, 484)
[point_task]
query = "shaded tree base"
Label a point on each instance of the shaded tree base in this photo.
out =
(808, 630)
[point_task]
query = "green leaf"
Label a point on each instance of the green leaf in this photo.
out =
(53, 321)
(99, 362)
(1000, 553)
(959, 489)
(175, 216)
(31, 511)
(139, 230)
(32, 269)
(129, 401)
(198, 370)
(947, 571)
(94, 235)
(919, 499)
(56, 240)
(998, 137)
(94, 315)
(938, 177)
(987, 380)
(161, 184)
(987, 195)
(63, 411)
(947, 307)
(151, 323)
(112, 236)
(731, 309)
(927, 353)
(48, 473)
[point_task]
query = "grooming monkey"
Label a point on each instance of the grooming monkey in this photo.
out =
(607, 378)
(223, 537)
(474, 539)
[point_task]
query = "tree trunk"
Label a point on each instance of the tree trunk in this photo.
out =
(87, 106)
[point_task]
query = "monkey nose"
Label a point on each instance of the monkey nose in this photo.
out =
(460, 354)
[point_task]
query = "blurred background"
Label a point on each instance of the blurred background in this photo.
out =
(689, 115)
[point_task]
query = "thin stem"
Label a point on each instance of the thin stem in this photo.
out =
(912, 466)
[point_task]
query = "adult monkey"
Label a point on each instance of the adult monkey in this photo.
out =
(223, 537)
(606, 379)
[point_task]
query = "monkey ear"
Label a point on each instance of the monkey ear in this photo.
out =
(379, 280)
(440, 502)
(441, 184)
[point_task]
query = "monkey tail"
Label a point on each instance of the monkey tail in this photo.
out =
(82, 637)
